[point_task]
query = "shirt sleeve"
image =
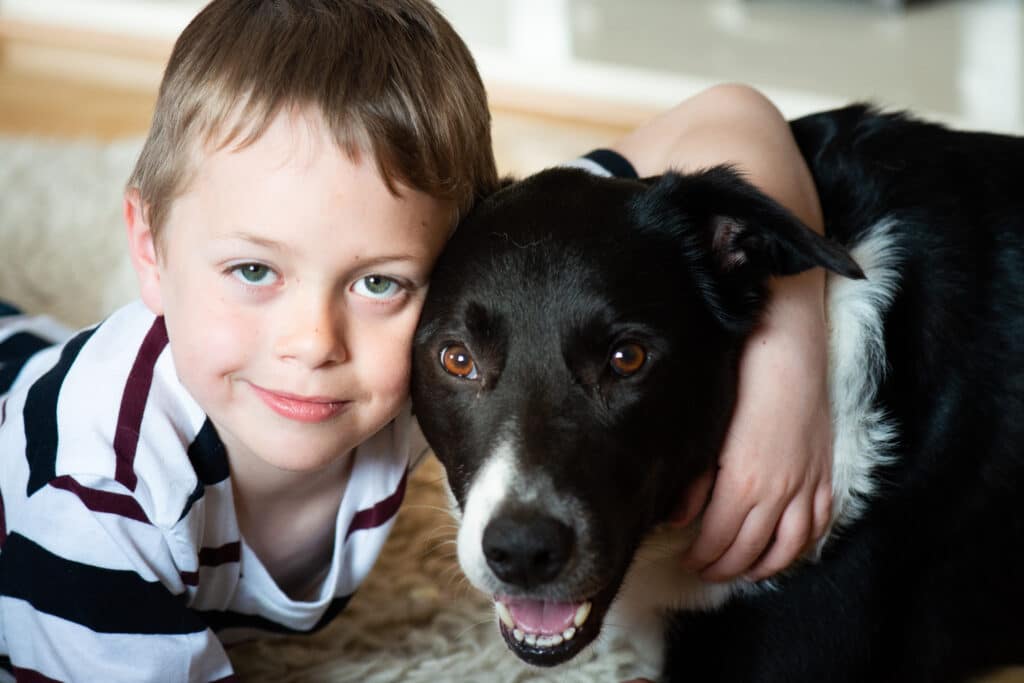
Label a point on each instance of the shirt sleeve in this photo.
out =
(90, 591)
(21, 338)
(604, 162)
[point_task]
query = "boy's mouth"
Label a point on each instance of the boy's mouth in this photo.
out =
(310, 409)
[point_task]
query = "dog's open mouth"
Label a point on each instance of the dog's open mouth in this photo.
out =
(546, 633)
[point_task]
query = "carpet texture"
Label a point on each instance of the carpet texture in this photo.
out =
(62, 253)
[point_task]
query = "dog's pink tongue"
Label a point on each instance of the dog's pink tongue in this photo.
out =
(536, 616)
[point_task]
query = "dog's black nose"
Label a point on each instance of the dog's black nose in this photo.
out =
(527, 549)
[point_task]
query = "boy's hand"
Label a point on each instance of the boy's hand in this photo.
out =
(771, 496)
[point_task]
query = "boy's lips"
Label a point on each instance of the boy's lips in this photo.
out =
(301, 408)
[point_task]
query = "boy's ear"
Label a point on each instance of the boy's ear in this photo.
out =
(142, 249)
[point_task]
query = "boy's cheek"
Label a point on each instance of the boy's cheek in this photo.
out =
(391, 368)
(211, 340)
(394, 377)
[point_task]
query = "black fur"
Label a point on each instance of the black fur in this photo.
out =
(548, 277)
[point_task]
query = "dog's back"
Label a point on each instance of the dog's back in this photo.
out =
(926, 586)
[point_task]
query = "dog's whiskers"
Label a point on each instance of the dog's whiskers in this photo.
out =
(455, 577)
(439, 551)
(427, 506)
(472, 626)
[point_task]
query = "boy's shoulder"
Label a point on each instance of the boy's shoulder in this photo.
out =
(106, 409)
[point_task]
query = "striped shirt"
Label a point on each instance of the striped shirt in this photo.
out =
(120, 553)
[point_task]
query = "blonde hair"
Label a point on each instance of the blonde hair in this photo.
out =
(389, 77)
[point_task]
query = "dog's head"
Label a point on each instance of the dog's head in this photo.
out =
(575, 369)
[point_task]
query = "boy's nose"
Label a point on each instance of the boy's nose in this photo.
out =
(313, 337)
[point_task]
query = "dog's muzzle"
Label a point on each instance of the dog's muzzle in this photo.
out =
(526, 549)
(532, 553)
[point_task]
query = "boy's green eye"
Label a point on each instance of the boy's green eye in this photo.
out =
(254, 274)
(376, 287)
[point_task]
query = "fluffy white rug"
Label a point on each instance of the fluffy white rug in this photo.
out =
(415, 619)
(62, 239)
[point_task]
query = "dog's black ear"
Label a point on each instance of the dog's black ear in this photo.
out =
(770, 240)
(736, 237)
(747, 230)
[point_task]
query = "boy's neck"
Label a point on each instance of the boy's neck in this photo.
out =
(262, 484)
(289, 518)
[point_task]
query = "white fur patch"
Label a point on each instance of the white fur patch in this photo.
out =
(862, 434)
(490, 487)
(498, 481)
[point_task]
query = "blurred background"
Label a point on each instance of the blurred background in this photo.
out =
(582, 69)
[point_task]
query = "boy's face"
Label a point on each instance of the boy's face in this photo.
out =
(291, 280)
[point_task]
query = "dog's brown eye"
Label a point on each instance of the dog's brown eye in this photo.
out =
(456, 360)
(627, 359)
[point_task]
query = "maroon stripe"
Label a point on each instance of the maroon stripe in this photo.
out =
(102, 501)
(212, 557)
(232, 678)
(30, 676)
(380, 512)
(133, 403)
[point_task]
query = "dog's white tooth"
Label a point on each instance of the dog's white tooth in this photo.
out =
(518, 635)
(568, 633)
(531, 638)
(504, 615)
(582, 612)
(549, 641)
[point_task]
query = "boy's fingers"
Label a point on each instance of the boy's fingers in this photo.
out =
(718, 530)
(749, 543)
(822, 511)
(694, 500)
(792, 536)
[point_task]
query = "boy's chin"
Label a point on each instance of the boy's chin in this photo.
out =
(285, 449)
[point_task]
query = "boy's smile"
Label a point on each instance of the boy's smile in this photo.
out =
(291, 280)
(301, 408)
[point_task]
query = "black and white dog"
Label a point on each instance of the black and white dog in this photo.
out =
(575, 368)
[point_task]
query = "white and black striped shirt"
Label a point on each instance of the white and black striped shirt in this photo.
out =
(120, 553)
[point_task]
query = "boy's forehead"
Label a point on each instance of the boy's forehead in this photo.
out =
(291, 131)
(242, 153)
(243, 150)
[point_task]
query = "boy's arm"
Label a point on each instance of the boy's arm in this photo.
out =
(85, 592)
(772, 492)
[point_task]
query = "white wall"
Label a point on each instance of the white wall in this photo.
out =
(961, 61)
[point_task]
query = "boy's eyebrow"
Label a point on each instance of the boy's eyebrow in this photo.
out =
(277, 245)
(257, 240)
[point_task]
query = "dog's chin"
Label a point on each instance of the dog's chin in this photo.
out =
(547, 633)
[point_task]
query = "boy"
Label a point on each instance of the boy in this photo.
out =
(226, 456)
